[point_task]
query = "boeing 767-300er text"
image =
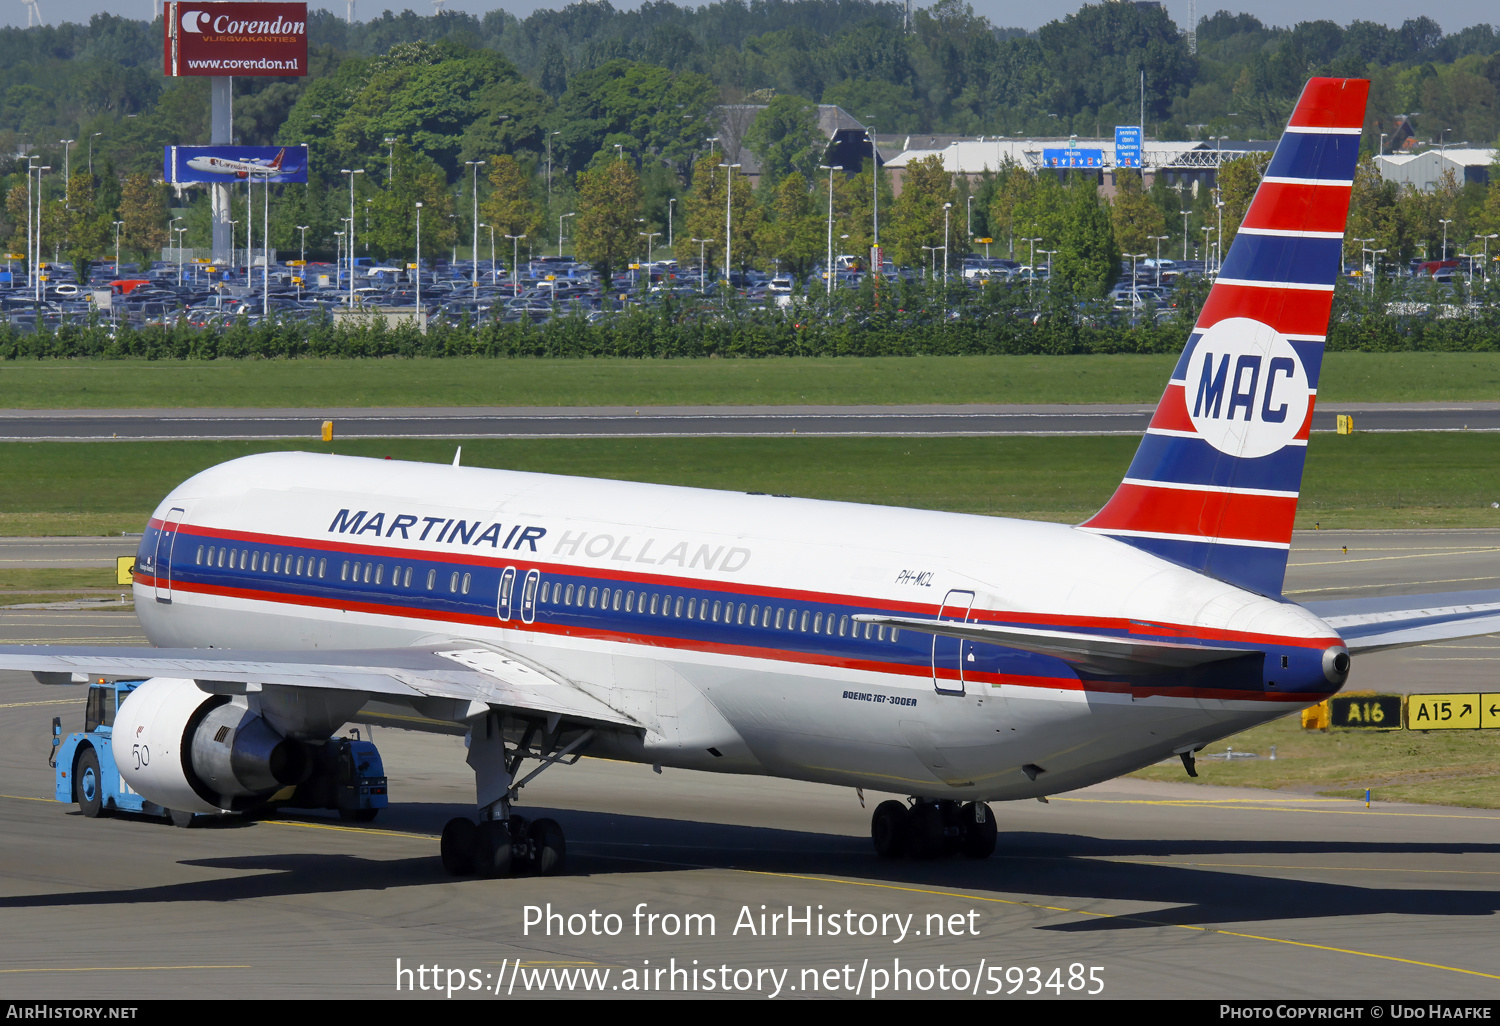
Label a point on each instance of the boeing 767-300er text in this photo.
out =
(957, 659)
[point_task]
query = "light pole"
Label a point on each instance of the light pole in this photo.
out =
(947, 208)
(118, 226)
(338, 255)
(349, 242)
(419, 263)
(171, 229)
(828, 267)
(1049, 254)
(179, 232)
(515, 259)
(493, 279)
(1135, 282)
(1362, 249)
(67, 173)
(476, 165)
(728, 228)
(648, 236)
(1184, 214)
(671, 238)
(301, 256)
(1158, 239)
(1374, 269)
(702, 268)
(1208, 249)
(1445, 222)
(560, 230)
(1486, 263)
(876, 256)
(91, 152)
(969, 221)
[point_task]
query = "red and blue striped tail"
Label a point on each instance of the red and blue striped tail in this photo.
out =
(1215, 482)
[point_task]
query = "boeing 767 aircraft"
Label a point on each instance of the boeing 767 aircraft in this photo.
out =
(961, 660)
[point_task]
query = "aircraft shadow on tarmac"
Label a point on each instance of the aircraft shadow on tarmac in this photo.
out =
(1053, 866)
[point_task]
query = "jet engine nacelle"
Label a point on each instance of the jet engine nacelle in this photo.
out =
(191, 751)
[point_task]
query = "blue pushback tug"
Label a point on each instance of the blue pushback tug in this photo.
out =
(347, 774)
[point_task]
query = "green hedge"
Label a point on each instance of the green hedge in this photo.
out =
(904, 320)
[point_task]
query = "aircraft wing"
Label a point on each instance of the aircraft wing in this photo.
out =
(1096, 653)
(450, 682)
(1397, 621)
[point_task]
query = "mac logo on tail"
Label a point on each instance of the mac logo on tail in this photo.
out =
(1247, 390)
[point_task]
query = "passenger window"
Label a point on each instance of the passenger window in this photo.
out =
(692, 608)
(843, 626)
(654, 599)
(453, 582)
(630, 602)
(817, 623)
(322, 568)
(593, 597)
(344, 571)
(741, 618)
(431, 579)
(466, 583)
(617, 599)
(278, 563)
(703, 610)
(546, 588)
(299, 566)
(677, 606)
(199, 558)
(406, 581)
(780, 615)
(881, 632)
(569, 600)
(380, 574)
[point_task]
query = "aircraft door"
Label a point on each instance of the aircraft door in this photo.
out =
(507, 593)
(948, 653)
(166, 542)
(528, 596)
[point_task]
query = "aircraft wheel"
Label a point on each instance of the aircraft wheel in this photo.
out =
(492, 849)
(458, 846)
(979, 831)
(926, 831)
(888, 829)
(549, 849)
(180, 818)
(89, 784)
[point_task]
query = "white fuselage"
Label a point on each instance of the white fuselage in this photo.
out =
(728, 630)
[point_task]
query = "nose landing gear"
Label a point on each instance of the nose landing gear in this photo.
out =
(929, 829)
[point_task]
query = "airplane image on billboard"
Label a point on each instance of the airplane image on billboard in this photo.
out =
(198, 165)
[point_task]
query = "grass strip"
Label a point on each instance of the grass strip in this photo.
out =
(1439, 767)
(1354, 481)
(335, 383)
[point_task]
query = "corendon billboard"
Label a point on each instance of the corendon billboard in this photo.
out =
(230, 37)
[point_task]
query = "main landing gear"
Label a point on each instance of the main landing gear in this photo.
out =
(503, 847)
(501, 843)
(929, 829)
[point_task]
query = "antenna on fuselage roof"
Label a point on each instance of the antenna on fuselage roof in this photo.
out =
(458, 455)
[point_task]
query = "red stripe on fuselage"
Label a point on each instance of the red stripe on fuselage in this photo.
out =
(750, 591)
(1072, 684)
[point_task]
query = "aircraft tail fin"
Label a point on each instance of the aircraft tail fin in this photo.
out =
(1214, 484)
(277, 162)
